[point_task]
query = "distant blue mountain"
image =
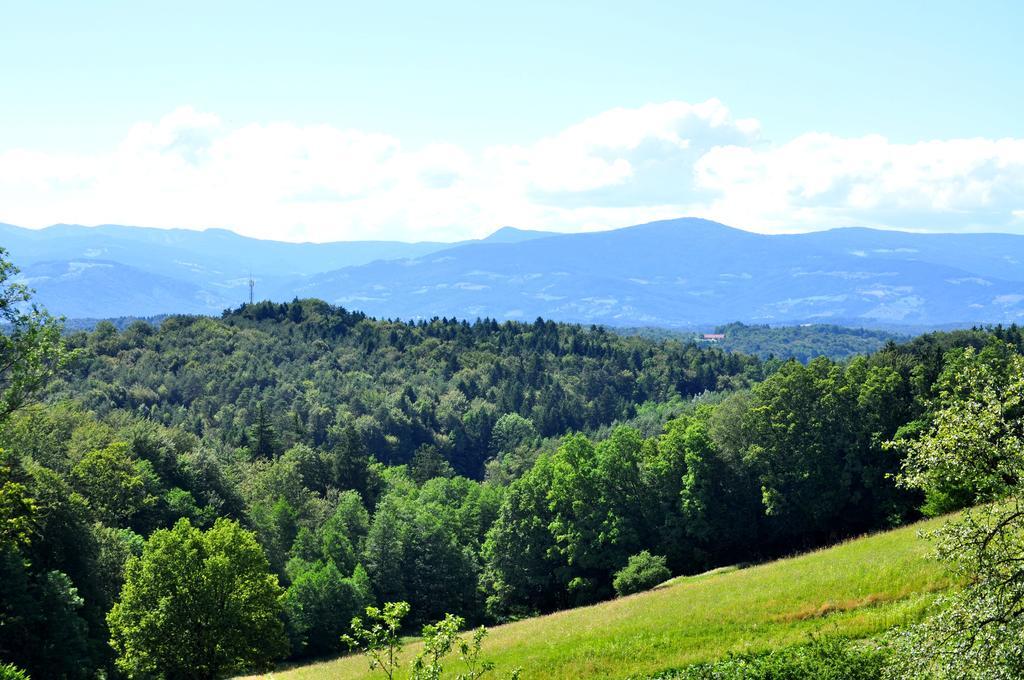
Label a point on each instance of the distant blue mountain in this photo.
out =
(683, 273)
(95, 288)
(191, 271)
(690, 272)
(513, 235)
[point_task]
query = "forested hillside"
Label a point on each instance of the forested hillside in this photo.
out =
(315, 461)
(268, 376)
(803, 342)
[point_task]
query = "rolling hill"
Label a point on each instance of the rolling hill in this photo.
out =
(858, 589)
(685, 273)
(113, 270)
(688, 273)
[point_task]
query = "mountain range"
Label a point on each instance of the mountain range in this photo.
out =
(683, 273)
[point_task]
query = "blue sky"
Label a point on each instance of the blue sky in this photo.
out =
(447, 119)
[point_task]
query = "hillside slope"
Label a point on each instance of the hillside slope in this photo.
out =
(858, 588)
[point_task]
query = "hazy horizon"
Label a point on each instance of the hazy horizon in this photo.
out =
(487, 232)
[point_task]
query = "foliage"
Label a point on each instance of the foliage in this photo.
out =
(319, 604)
(438, 641)
(197, 604)
(379, 636)
(821, 659)
(797, 461)
(973, 632)
(260, 380)
(642, 572)
(422, 543)
(971, 449)
(45, 548)
(469, 654)
(975, 447)
(804, 342)
(32, 350)
(50, 593)
(16, 506)
(116, 487)
(8, 671)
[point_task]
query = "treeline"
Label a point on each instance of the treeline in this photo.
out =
(381, 461)
(801, 342)
(804, 342)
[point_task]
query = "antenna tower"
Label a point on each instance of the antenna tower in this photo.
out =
(252, 284)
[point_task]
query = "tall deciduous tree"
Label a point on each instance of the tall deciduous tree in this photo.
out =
(975, 443)
(198, 605)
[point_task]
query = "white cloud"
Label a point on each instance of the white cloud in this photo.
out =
(819, 180)
(620, 167)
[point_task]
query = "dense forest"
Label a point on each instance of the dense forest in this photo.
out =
(317, 461)
(803, 342)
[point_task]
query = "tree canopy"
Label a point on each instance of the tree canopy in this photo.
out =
(198, 604)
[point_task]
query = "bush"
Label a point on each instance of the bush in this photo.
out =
(8, 671)
(642, 572)
(821, 659)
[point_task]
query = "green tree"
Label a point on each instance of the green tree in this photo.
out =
(17, 507)
(523, 572)
(803, 447)
(116, 486)
(320, 603)
(970, 449)
(975, 445)
(719, 500)
(510, 432)
(198, 605)
(262, 435)
(8, 671)
(114, 547)
(31, 347)
(438, 641)
(349, 460)
(428, 463)
(413, 554)
(343, 534)
(46, 624)
(378, 636)
(642, 572)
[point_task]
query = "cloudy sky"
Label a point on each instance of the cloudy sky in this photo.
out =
(333, 121)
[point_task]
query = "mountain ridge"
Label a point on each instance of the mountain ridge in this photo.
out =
(679, 273)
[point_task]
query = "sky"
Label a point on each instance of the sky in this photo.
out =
(328, 121)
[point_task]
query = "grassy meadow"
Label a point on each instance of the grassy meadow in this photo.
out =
(858, 588)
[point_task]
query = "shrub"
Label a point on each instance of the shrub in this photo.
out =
(8, 671)
(642, 572)
(832, 658)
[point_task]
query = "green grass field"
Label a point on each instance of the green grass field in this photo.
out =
(858, 588)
